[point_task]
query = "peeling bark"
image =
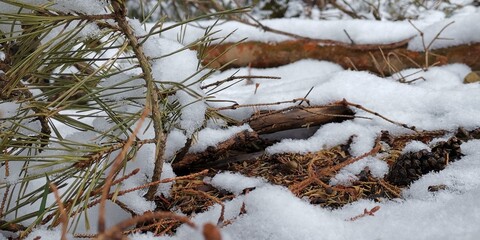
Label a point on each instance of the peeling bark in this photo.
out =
(381, 61)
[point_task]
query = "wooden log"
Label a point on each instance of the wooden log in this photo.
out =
(383, 62)
(239, 147)
(298, 117)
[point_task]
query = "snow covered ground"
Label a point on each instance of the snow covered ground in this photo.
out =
(439, 101)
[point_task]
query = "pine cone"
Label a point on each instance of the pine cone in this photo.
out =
(450, 147)
(408, 167)
(411, 166)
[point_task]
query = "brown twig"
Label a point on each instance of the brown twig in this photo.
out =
(366, 213)
(7, 190)
(329, 171)
(61, 208)
(153, 100)
(218, 83)
(426, 48)
(347, 103)
(115, 167)
(236, 106)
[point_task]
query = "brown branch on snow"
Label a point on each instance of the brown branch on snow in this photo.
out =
(236, 106)
(114, 169)
(232, 78)
(347, 103)
(63, 214)
(366, 213)
(7, 189)
(264, 55)
(299, 117)
(152, 99)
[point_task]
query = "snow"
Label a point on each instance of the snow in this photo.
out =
(415, 146)
(211, 137)
(379, 31)
(273, 212)
(453, 31)
(432, 99)
(235, 182)
(377, 167)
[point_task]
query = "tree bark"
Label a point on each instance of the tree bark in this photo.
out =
(298, 117)
(383, 62)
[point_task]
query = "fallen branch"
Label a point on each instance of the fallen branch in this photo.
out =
(299, 117)
(264, 55)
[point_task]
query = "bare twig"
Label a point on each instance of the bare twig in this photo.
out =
(7, 190)
(235, 106)
(115, 167)
(366, 213)
(61, 208)
(152, 101)
(218, 83)
(426, 48)
(347, 103)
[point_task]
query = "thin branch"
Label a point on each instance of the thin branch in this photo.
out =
(115, 167)
(218, 83)
(347, 103)
(61, 208)
(152, 101)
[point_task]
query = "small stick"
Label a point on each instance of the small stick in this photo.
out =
(348, 35)
(166, 180)
(347, 103)
(366, 213)
(217, 83)
(61, 208)
(7, 190)
(115, 167)
(341, 165)
(235, 106)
